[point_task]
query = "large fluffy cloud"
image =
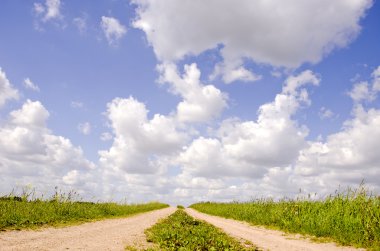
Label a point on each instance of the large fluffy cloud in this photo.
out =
(7, 92)
(350, 155)
(280, 33)
(30, 153)
(139, 141)
(248, 148)
(345, 158)
(201, 103)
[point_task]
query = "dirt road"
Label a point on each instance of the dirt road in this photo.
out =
(263, 238)
(112, 234)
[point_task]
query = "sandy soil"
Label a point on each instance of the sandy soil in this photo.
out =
(263, 238)
(112, 234)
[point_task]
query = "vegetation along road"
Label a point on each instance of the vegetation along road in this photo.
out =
(113, 234)
(116, 234)
(263, 238)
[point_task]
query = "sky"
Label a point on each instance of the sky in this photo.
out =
(192, 100)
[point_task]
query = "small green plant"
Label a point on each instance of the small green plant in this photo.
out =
(27, 211)
(350, 218)
(180, 207)
(181, 232)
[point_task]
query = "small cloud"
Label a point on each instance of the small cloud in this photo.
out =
(376, 80)
(39, 9)
(355, 78)
(81, 23)
(361, 92)
(232, 73)
(77, 104)
(113, 29)
(241, 74)
(325, 113)
(28, 84)
(48, 11)
(276, 74)
(106, 136)
(366, 91)
(7, 91)
(85, 128)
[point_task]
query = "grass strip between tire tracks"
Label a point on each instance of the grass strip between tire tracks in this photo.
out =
(182, 232)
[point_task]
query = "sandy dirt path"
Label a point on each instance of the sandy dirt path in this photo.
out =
(263, 238)
(113, 234)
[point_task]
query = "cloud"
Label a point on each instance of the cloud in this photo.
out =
(84, 128)
(30, 85)
(280, 33)
(249, 148)
(347, 157)
(112, 29)
(48, 11)
(7, 92)
(139, 142)
(77, 104)
(106, 136)
(81, 23)
(230, 74)
(325, 113)
(376, 79)
(363, 91)
(30, 153)
(201, 103)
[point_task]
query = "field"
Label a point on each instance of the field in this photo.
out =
(349, 218)
(17, 212)
(181, 232)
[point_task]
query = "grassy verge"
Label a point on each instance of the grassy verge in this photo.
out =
(181, 232)
(349, 218)
(19, 212)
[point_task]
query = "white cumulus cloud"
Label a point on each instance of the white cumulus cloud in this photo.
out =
(7, 91)
(365, 91)
(279, 33)
(31, 154)
(347, 157)
(249, 148)
(139, 141)
(200, 103)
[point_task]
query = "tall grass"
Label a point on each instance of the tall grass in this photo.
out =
(350, 218)
(18, 212)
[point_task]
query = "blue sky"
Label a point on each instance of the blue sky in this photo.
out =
(183, 101)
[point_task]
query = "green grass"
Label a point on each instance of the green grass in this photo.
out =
(181, 232)
(349, 218)
(18, 212)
